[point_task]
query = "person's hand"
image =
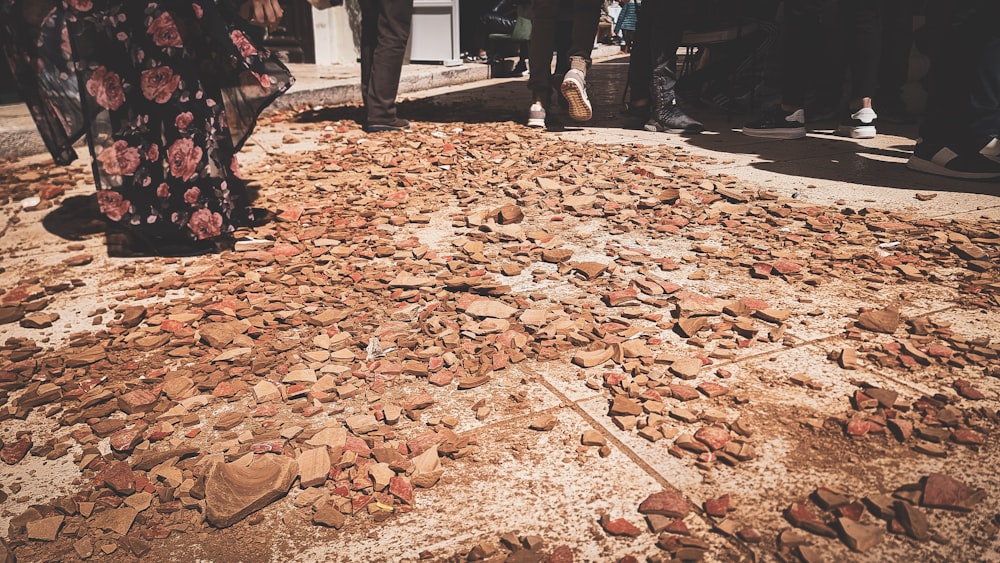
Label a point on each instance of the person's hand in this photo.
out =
(265, 13)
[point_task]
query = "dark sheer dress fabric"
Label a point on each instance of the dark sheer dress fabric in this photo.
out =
(166, 92)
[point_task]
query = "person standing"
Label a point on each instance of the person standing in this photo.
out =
(960, 131)
(586, 17)
(626, 23)
(651, 69)
(860, 26)
(385, 30)
(165, 93)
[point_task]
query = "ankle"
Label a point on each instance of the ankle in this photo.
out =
(860, 103)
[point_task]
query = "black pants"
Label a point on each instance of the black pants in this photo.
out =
(897, 39)
(859, 42)
(586, 16)
(657, 36)
(963, 103)
(385, 29)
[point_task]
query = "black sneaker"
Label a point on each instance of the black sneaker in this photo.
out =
(777, 123)
(859, 125)
(672, 119)
(945, 161)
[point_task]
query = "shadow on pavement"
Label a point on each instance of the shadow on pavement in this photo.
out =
(77, 218)
(825, 156)
(822, 156)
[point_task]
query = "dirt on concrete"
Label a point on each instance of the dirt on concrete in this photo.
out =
(733, 367)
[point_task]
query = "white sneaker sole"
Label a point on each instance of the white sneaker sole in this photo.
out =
(579, 106)
(867, 132)
(929, 167)
(784, 133)
(536, 122)
(657, 128)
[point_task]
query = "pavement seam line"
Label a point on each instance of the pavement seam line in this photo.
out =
(629, 453)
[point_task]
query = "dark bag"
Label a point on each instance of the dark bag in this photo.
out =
(497, 23)
(501, 18)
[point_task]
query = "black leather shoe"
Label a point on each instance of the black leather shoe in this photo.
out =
(394, 125)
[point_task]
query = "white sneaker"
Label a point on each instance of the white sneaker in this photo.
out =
(574, 89)
(536, 115)
(859, 125)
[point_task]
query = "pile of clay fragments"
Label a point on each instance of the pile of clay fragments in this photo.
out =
(399, 266)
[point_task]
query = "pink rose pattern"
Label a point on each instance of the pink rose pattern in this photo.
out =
(106, 88)
(112, 204)
(152, 110)
(205, 224)
(183, 120)
(242, 43)
(184, 158)
(81, 5)
(164, 31)
(159, 84)
(119, 159)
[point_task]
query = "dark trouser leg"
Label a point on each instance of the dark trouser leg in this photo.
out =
(802, 31)
(862, 22)
(586, 19)
(984, 114)
(564, 36)
(385, 29)
(657, 36)
(897, 38)
(543, 28)
(963, 104)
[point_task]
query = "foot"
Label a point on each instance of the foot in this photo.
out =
(952, 162)
(894, 111)
(859, 125)
(129, 244)
(520, 69)
(536, 115)
(636, 114)
(776, 123)
(574, 89)
(822, 112)
(673, 120)
(396, 124)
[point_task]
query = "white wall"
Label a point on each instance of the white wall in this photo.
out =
(336, 41)
(434, 36)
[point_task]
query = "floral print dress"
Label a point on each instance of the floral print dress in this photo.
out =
(165, 91)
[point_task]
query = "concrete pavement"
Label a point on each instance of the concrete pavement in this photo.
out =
(790, 394)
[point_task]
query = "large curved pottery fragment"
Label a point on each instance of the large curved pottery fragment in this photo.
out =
(235, 490)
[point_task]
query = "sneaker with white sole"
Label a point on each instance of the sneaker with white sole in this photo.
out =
(672, 119)
(536, 115)
(574, 89)
(991, 150)
(859, 125)
(777, 123)
(946, 161)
